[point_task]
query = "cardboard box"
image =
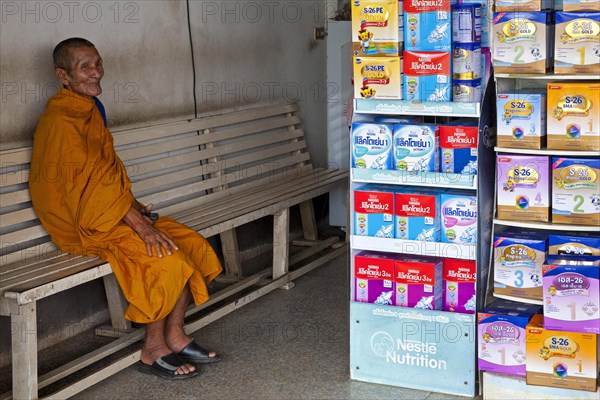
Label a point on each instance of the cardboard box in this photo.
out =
(372, 145)
(576, 43)
(375, 27)
(576, 191)
(459, 218)
(415, 148)
(522, 42)
(417, 216)
(459, 285)
(418, 282)
(523, 188)
(427, 25)
(572, 294)
(573, 116)
(567, 360)
(521, 120)
(518, 261)
(501, 339)
(580, 244)
(581, 5)
(377, 78)
(374, 212)
(458, 149)
(427, 76)
(374, 278)
(522, 5)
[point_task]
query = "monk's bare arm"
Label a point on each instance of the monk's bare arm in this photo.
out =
(152, 237)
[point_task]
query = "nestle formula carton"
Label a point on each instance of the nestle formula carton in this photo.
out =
(562, 359)
(571, 294)
(518, 261)
(574, 116)
(576, 191)
(371, 145)
(522, 42)
(415, 148)
(459, 285)
(417, 215)
(459, 218)
(458, 148)
(427, 25)
(427, 76)
(577, 43)
(418, 282)
(523, 189)
(375, 27)
(374, 278)
(374, 212)
(501, 334)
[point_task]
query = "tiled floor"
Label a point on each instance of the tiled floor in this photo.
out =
(289, 344)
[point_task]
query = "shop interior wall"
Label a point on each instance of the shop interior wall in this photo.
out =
(244, 52)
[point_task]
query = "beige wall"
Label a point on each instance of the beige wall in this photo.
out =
(245, 51)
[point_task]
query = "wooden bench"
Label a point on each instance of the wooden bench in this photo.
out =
(214, 173)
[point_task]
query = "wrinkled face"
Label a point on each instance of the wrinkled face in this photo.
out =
(85, 73)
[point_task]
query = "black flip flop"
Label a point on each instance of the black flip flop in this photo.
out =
(165, 367)
(196, 354)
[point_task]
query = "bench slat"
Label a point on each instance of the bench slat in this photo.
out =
(13, 198)
(23, 235)
(16, 217)
(200, 124)
(15, 156)
(26, 254)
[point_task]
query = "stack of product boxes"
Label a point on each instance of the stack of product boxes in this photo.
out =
(558, 345)
(414, 49)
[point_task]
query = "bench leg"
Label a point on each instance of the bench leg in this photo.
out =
(24, 352)
(230, 254)
(281, 245)
(309, 223)
(117, 304)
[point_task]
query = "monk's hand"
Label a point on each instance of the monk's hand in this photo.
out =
(155, 240)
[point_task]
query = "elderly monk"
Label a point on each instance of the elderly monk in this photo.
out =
(87, 207)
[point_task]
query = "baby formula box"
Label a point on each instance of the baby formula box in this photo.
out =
(562, 359)
(375, 28)
(523, 189)
(417, 215)
(427, 25)
(458, 148)
(518, 261)
(418, 282)
(372, 145)
(374, 278)
(459, 218)
(521, 119)
(486, 18)
(374, 212)
(501, 345)
(466, 23)
(466, 61)
(522, 5)
(415, 148)
(581, 5)
(377, 78)
(580, 245)
(522, 42)
(574, 116)
(576, 191)
(427, 76)
(459, 285)
(466, 90)
(577, 43)
(571, 294)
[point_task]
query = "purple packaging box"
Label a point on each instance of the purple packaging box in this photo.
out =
(501, 334)
(459, 285)
(374, 278)
(418, 282)
(571, 294)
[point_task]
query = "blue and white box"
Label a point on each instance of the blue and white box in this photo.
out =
(416, 148)
(371, 145)
(427, 25)
(374, 212)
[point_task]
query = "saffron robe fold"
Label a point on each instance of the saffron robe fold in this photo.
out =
(81, 192)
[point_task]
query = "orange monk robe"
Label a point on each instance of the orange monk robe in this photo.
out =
(81, 192)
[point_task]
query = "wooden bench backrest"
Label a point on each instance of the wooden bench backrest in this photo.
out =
(175, 166)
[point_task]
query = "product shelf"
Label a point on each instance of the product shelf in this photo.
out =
(546, 152)
(428, 179)
(414, 247)
(519, 299)
(547, 226)
(420, 108)
(548, 76)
